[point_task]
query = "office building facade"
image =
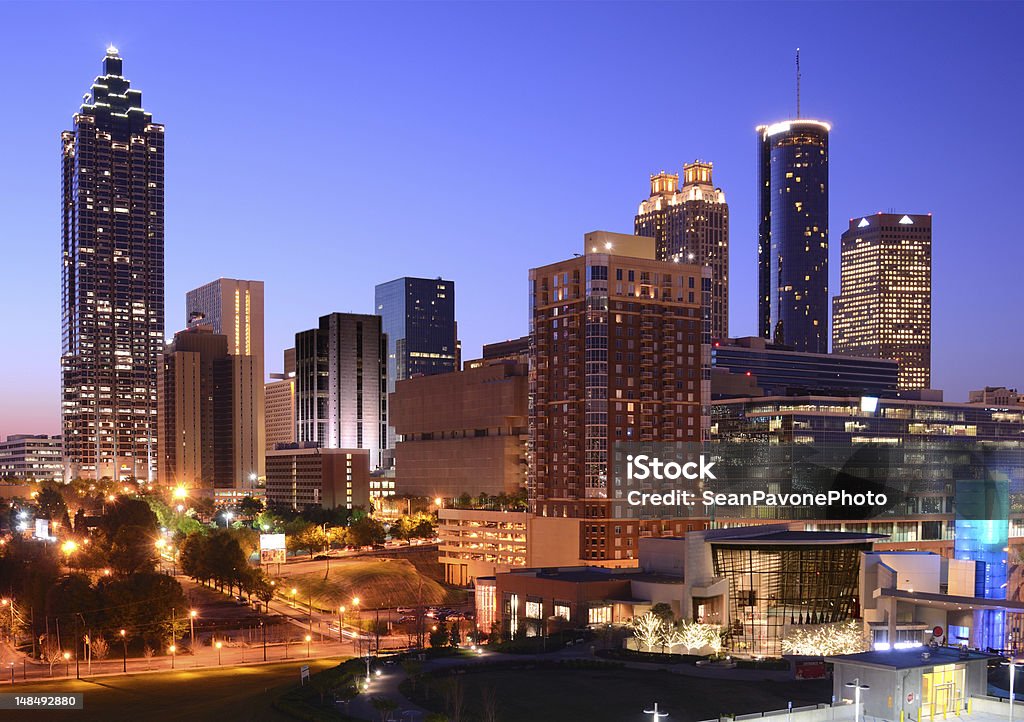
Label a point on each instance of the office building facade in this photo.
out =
(781, 371)
(302, 477)
(112, 219)
(884, 306)
(341, 385)
(792, 250)
(196, 420)
(418, 317)
(31, 457)
(619, 353)
(690, 224)
(234, 308)
(462, 432)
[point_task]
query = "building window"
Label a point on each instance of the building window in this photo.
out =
(600, 614)
(562, 610)
(534, 609)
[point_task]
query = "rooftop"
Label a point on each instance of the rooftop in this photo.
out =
(909, 658)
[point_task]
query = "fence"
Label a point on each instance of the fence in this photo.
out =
(818, 713)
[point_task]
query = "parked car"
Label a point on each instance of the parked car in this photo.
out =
(321, 558)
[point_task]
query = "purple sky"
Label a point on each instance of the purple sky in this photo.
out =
(328, 147)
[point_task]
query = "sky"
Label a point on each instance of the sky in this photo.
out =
(325, 148)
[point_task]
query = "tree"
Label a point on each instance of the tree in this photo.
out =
(647, 630)
(148, 653)
(664, 612)
(100, 648)
(132, 550)
(250, 507)
(50, 503)
(439, 635)
(126, 511)
(488, 705)
(413, 669)
(366, 531)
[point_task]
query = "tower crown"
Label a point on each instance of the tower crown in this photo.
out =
(663, 184)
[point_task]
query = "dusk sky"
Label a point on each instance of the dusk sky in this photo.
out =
(325, 148)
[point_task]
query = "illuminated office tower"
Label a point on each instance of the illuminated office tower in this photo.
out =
(792, 233)
(234, 308)
(418, 316)
(112, 222)
(279, 404)
(690, 224)
(884, 306)
(341, 385)
(196, 422)
(620, 352)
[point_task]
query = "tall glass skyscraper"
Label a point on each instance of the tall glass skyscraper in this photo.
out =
(792, 233)
(418, 317)
(112, 222)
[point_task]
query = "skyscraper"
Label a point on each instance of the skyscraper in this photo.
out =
(884, 306)
(341, 384)
(234, 308)
(792, 233)
(619, 353)
(418, 316)
(279, 404)
(691, 225)
(196, 419)
(112, 219)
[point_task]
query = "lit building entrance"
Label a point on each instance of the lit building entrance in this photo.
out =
(942, 690)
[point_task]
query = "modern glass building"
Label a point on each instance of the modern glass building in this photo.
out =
(784, 580)
(781, 371)
(112, 220)
(792, 234)
(418, 317)
(918, 450)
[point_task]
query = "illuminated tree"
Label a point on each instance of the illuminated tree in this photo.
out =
(647, 630)
(827, 639)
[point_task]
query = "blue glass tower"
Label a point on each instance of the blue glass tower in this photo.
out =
(792, 248)
(418, 316)
(982, 536)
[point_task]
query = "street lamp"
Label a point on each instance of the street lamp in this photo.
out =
(172, 649)
(1012, 664)
(293, 592)
(857, 687)
(192, 614)
(656, 713)
(309, 638)
(341, 621)
(124, 641)
(67, 665)
(228, 516)
(219, 645)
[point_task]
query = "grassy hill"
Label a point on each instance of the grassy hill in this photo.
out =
(377, 583)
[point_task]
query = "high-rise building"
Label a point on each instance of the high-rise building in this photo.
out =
(792, 236)
(196, 419)
(690, 224)
(234, 308)
(31, 457)
(620, 353)
(884, 306)
(341, 385)
(279, 404)
(112, 219)
(418, 316)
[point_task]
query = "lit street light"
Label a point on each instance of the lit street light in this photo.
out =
(192, 614)
(124, 661)
(1012, 664)
(219, 645)
(857, 687)
(309, 638)
(172, 649)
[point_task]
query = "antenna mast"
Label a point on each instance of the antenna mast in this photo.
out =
(798, 83)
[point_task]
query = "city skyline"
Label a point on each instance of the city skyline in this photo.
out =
(885, 153)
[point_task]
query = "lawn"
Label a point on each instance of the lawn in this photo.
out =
(621, 695)
(234, 693)
(377, 583)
